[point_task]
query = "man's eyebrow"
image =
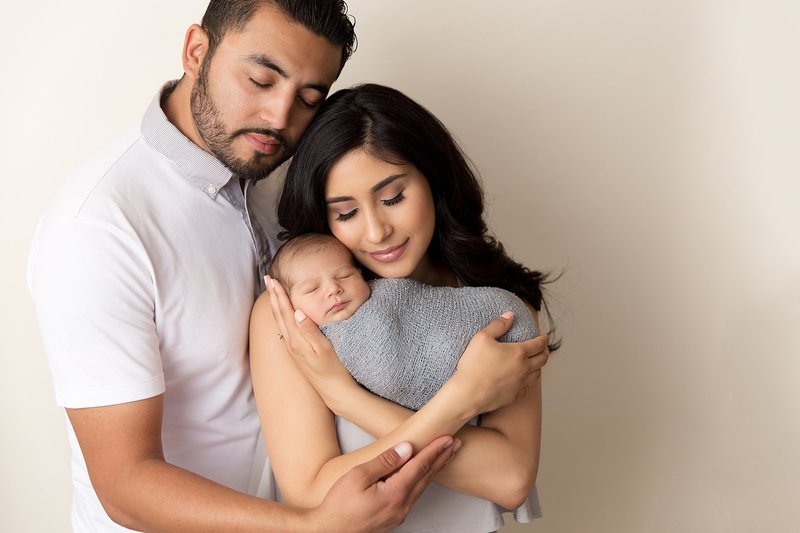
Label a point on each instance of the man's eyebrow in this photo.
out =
(375, 188)
(264, 61)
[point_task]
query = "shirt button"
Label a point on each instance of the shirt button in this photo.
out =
(211, 190)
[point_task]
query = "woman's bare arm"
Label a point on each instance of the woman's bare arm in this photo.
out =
(499, 460)
(298, 427)
(510, 435)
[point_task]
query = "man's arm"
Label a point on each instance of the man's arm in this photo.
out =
(140, 490)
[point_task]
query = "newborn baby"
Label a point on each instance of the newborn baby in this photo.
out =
(399, 338)
(320, 277)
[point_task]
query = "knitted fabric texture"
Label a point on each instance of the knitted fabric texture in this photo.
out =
(404, 342)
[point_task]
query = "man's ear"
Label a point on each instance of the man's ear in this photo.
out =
(195, 48)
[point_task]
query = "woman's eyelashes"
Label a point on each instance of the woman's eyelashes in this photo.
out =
(394, 200)
(343, 217)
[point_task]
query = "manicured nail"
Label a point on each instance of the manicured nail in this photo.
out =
(299, 316)
(508, 314)
(403, 449)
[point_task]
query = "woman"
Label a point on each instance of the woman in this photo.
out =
(382, 175)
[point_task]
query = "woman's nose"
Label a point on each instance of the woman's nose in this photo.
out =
(377, 229)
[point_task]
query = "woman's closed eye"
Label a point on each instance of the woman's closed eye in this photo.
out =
(343, 217)
(396, 199)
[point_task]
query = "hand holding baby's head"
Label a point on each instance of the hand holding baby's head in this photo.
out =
(320, 277)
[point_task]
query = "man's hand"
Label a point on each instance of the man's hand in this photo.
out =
(377, 495)
(493, 374)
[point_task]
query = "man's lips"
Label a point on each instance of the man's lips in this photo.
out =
(264, 143)
(387, 255)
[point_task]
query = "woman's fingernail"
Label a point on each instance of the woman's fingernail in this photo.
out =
(299, 316)
(457, 445)
(508, 315)
(403, 449)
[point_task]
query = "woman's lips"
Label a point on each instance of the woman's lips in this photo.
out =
(263, 143)
(388, 255)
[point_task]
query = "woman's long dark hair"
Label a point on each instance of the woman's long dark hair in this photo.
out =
(389, 125)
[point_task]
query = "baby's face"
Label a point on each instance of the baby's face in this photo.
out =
(326, 286)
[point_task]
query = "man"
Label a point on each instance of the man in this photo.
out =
(144, 271)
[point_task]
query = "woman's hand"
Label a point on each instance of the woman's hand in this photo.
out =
(493, 374)
(310, 349)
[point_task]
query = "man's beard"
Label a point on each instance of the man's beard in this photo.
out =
(219, 140)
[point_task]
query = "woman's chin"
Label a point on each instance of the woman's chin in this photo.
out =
(389, 271)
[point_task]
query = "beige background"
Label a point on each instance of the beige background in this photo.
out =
(646, 147)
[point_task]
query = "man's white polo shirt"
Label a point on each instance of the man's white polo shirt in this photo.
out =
(144, 270)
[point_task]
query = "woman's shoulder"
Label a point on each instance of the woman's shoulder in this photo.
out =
(261, 313)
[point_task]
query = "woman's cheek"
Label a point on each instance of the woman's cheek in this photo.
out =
(345, 234)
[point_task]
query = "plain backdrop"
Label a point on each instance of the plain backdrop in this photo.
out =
(647, 149)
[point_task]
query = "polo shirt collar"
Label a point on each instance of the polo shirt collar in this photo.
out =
(199, 167)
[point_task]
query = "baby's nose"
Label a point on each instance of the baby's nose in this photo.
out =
(334, 288)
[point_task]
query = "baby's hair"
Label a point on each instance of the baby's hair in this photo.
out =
(297, 247)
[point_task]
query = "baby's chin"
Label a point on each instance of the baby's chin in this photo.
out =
(338, 316)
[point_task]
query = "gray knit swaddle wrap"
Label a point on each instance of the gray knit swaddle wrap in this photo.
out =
(404, 342)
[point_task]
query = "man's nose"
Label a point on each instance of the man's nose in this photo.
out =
(277, 109)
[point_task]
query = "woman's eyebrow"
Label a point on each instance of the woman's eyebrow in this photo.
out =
(375, 188)
(384, 182)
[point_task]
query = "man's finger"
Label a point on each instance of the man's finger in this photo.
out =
(418, 472)
(431, 471)
(381, 466)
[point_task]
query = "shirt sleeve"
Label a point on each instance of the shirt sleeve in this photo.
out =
(94, 295)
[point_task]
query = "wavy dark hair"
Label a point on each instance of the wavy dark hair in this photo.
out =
(391, 126)
(326, 18)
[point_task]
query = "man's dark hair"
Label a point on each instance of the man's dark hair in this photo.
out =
(326, 18)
